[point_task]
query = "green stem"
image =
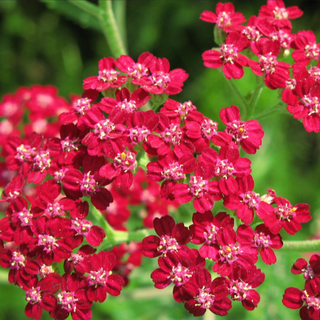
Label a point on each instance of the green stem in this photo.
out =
(110, 29)
(99, 217)
(120, 16)
(301, 246)
(278, 108)
(142, 159)
(114, 237)
(218, 36)
(87, 7)
(243, 103)
(255, 96)
(119, 237)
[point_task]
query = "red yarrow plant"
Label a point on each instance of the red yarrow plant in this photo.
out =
(112, 150)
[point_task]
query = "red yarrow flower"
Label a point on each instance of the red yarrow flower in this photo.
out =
(171, 237)
(125, 102)
(40, 296)
(162, 80)
(230, 255)
(224, 17)
(88, 183)
(140, 125)
(176, 268)
(226, 165)
(80, 108)
(205, 229)
(108, 77)
(310, 270)
(308, 299)
(202, 294)
(229, 58)
(121, 169)
(23, 269)
(306, 47)
(13, 189)
(83, 229)
(177, 111)
(168, 135)
(245, 201)
(135, 70)
(100, 278)
(262, 239)
(172, 167)
(276, 12)
(286, 216)
(72, 299)
(76, 260)
(247, 134)
(201, 131)
(49, 244)
(276, 72)
(108, 135)
(308, 107)
(201, 190)
(241, 286)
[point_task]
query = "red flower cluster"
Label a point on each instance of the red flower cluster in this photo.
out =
(269, 38)
(93, 160)
(185, 268)
(307, 300)
(96, 156)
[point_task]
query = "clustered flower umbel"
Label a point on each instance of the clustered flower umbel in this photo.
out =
(56, 171)
(268, 37)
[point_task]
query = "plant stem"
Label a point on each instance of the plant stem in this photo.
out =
(110, 29)
(301, 246)
(243, 103)
(120, 16)
(87, 7)
(218, 35)
(119, 237)
(278, 108)
(114, 237)
(99, 217)
(255, 96)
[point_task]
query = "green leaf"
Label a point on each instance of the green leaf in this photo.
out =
(70, 9)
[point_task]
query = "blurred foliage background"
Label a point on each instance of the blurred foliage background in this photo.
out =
(54, 42)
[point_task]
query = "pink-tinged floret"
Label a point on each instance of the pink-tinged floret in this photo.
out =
(229, 57)
(225, 16)
(136, 70)
(205, 230)
(307, 299)
(247, 134)
(306, 47)
(202, 294)
(125, 102)
(276, 73)
(99, 277)
(242, 284)
(230, 255)
(309, 270)
(286, 216)
(171, 237)
(262, 239)
(162, 80)
(307, 108)
(276, 12)
(108, 77)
